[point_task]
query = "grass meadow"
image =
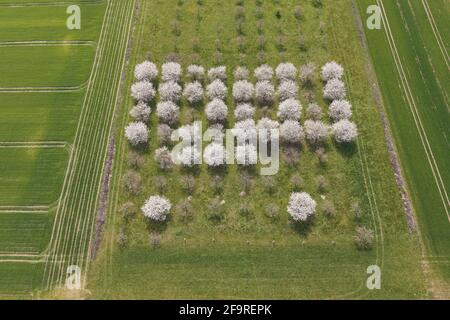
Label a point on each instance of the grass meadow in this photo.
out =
(424, 152)
(253, 255)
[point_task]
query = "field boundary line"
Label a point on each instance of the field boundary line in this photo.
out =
(413, 107)
(4, 211)
(70, 248)
(80, 87)
(117, 173)
(80, 124)
(85, 240)
(18, 254)
(21, 261)
(121, 82)
(49, 4)
(34, 145)
(81, 222)
(24, 209)
(103, 97)
(49, 43)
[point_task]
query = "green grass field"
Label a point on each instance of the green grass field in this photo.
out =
(45, 71)
(417, 104)
(24, 232)
(45, 66)
(241, 262)
(42, 116)
(31, 176)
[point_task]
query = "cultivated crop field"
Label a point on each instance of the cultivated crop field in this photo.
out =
(55, 91)
(417, 104)
(236, 240)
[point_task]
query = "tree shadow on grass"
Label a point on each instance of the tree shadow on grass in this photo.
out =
(249, 170)
(348, 150)
(221, 171)
(194, 170)
(141, 149)
(157, 226)
(302, 228)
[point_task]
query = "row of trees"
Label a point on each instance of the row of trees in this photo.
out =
(216, 110)
(340, 110)
(301, 207)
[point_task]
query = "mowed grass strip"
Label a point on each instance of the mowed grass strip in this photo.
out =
(24, 232)
(234, 271)
(45, 66)
(31, 176)
(433, 113)
(48, 22)
(41, 116)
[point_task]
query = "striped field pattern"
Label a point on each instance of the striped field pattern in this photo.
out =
(70, 241)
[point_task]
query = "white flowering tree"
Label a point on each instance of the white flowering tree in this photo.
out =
(146, 71)
(266, 125)
(316, 132)
(217, 73)
(190, 156)
(301, 206)
(141, 112)
(314, 111)
(264, 92)
(193, 92)
(163, 158)
(291, 132)
(243, 91)
(190, 132)
(171, 71)
(290, 109)
(307, 73)
(170, 91)
(217, 89)
(244, 111)
(287, 89)
(286, 71)
(137, 133)
(246, 155)
(167, 112)
(264, 73)
(143, 91)
(156, 208)
(334, 90)
(332, 70)
(214, 155)
(164, 133)
(241, 73)
(245, 131)
(345, 131)
(340, 110)
(196, 72)
(216, 111)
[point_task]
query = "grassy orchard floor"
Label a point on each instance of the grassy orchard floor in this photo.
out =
(303, 263)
